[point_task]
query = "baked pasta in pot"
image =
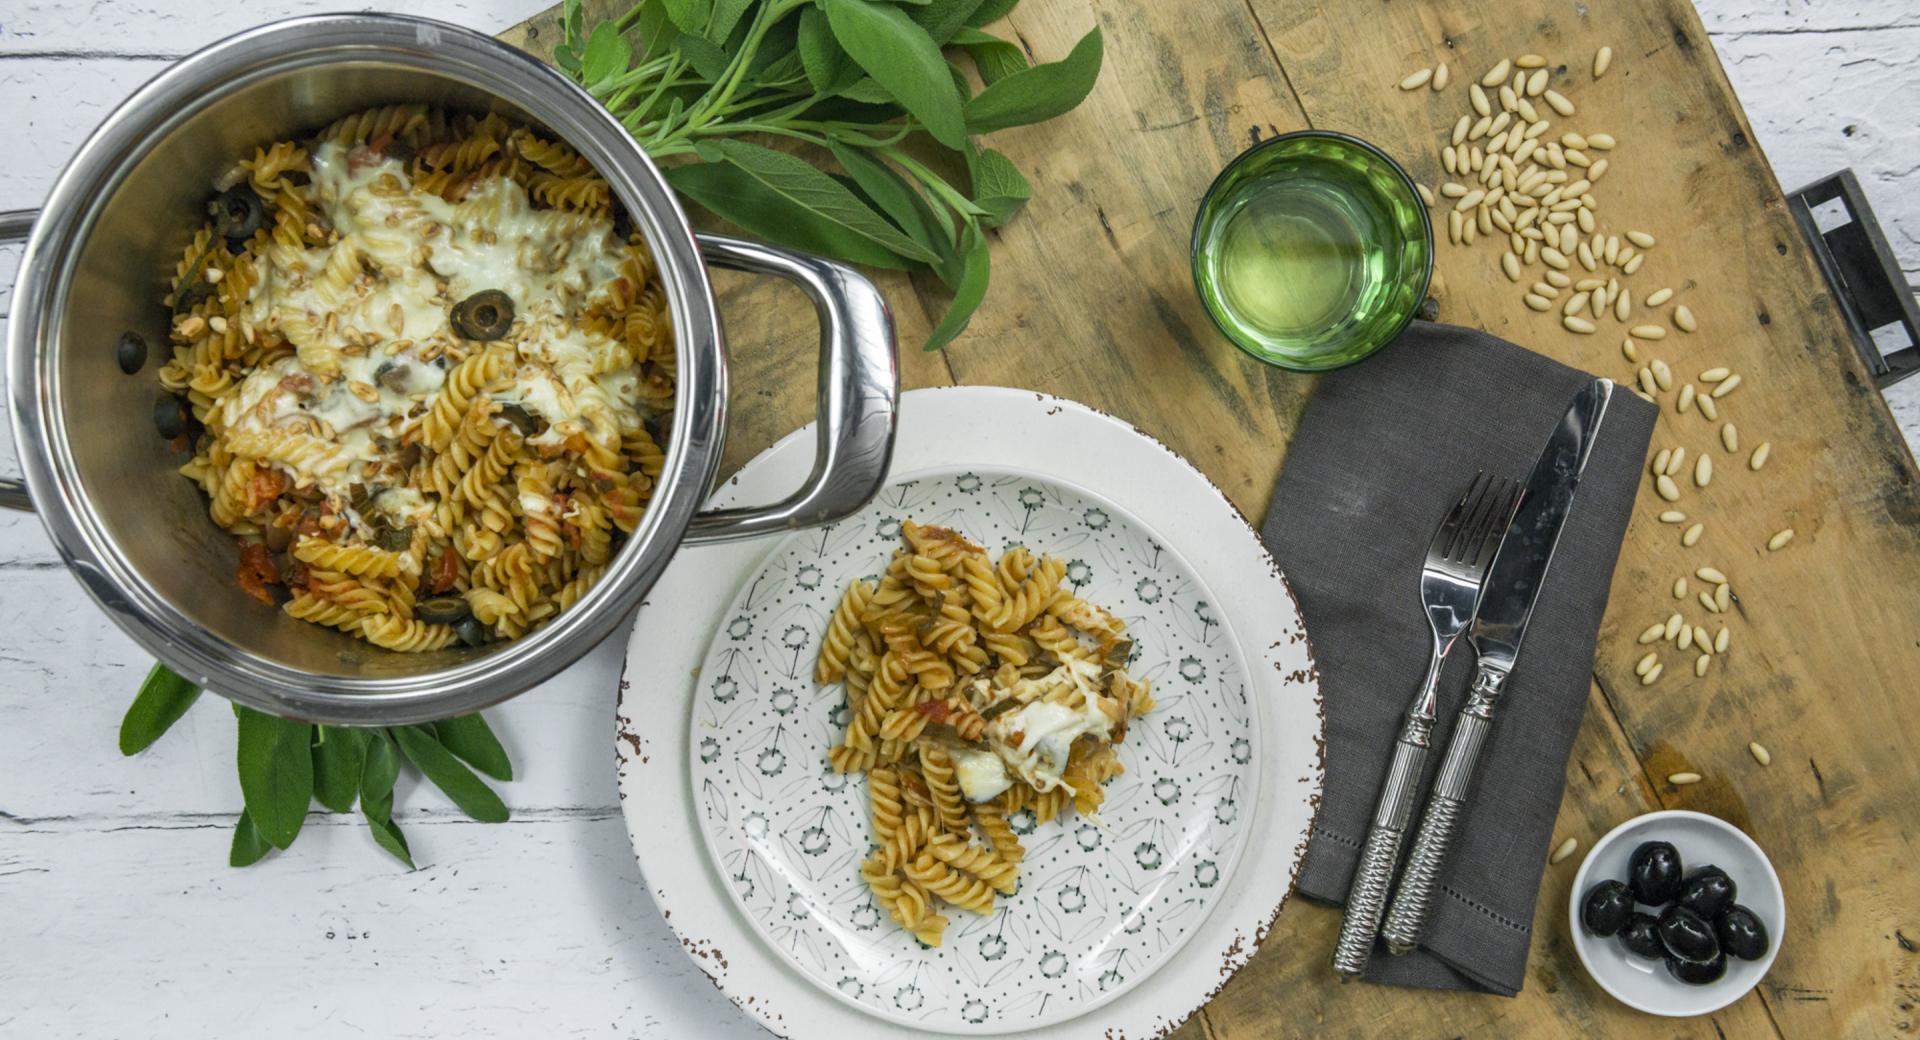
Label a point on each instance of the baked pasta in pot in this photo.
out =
(420, 372)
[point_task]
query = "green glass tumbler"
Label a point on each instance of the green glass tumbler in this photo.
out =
(1312, 250)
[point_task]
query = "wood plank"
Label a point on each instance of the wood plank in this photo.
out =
(1829, 686)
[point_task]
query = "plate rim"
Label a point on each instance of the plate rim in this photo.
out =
(797, 1008)
(1252, 775)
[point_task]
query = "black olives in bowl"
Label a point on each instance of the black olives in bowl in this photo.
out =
(1687, 935)
(1641, 937)
(1698, 973)
(1741, 933)
(1654, 873)
(1707, 891)
(1608, 907)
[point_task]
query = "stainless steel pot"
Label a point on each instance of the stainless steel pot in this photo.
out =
(137, 535)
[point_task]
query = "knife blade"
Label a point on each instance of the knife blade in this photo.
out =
(1507, 599)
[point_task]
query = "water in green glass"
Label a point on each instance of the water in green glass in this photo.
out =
(1311, 252)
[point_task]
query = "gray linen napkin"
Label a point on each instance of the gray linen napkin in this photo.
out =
(1383, 449)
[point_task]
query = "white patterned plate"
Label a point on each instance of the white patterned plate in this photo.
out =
(986, 429)
(1099, 907)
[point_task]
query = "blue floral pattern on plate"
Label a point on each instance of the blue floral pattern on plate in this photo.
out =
(1101, 904)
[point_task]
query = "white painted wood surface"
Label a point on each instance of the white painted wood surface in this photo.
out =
(118, 916)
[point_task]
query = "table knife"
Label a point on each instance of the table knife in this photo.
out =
(1499, 626)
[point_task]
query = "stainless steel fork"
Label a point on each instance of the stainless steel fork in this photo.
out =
(1457, 560)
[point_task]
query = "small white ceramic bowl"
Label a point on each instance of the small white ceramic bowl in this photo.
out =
(1701, 839)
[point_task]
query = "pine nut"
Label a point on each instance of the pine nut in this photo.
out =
(1701, 663)
(1555, 258)
(1667, 488)
(1585, 217)
(1470, 200)
(1675, 462)
(1652, 632)
(1672, 627)
(1691, 536)
(1601, 60)
(1598, 169)
(1641, 239)
(1560, 104)
(1659, 297)
(1673, 516)
(1703, 470)
(1537, 302)
(1652, 676)
(1566, 849)
(1723, 597)
(1622, 307)
(1726, 385)
(1537, 83)
(1632, 265)
(1660, 463)
(1545, 289)
(1714, 375)
(1599, 301)
(1575, 304)
(1631, 352)
(1701, 640)
(1586, 258)
(1569, 238)
(1683, 779)
(1645, 664)
(1759, 457)
(1416, 80)
(1479, 100)
(1760, 753)
(1559, 278)
(1426, 194)
(1679, 588)
(1649, 332)
(1710, 575)
(1729, 438)
(1662, 374)
(1646, 383)
(1610, 249)
(1509, 99)
(1441, 77)
(1574, 323)
(1511, 265)
(1708, 410)
(1600, 141)
(1686, 398)
(1706, 600)
(1530, 61)
(1497, 75)
(1720, 639)
(1685, 642)
(1683, 317)
(1780, 539)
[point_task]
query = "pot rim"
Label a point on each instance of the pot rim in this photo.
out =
(80, 196)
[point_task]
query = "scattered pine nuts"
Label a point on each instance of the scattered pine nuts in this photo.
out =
(1565, 849)
(1691, 536)
(1426, 194)
(1530, 61)
(1623, 306)
(1600, 141)
(1653, 632)
(1701, 663)
(1647, 384)
(1759, 456)
(1685, 642)
(1671, 628)
(1720, 639)
(1686, 398)
(1416, 80)
(1701, 639)
(1780, 539)
(1560, 104)
(1649, 332)
(1722, 597)
(1708, 410)
(1683, 318)
(1679, 589)
(1641, 239)
(1759, 752)
(1601, 60)
(1667, 488)
(1707, 601)
(1575, 323)
(1497, 75)
(1662, 374)
(1729, 438)
(1645, 664)
(1714, 375)
(1441, 77)
(1703, 470)
(1537, 302)
(1629, 351)
(1653, 675)
(1726, 385)
(1676, 462)
(1672, 516)
(1683, 779)
(1659, 297)
(1711, 575)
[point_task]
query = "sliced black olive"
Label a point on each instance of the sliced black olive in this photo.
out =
(1641, 937)
(277, 537)
(1741, 933)
(131, 352)
(358, 496)
(485, 315)
(393, 375)
(238, 212)
(1654, 873)
(470, 631)
(392, 539)
(1708, 891)
(443, 610)
(1607, 909)
(1698, 973)
(526, 422)
(170, 416)
(1687, 935)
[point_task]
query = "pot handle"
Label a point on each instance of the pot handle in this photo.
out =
(859, 394)
(15, 225)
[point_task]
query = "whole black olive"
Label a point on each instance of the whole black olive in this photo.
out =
(443, 610)
(131, 352)
(1708, 891)
(1687, 935)
(169, 416)
(470, 631)
(487, 314)
(1641, 937)
(1741, 933)
(1608, 907)
(1698, 973)
(1654, 873)
(238, 212)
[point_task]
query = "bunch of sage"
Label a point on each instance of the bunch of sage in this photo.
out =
(866, 103)
(285, 766)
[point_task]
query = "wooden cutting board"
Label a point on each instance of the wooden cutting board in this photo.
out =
(1092, 299)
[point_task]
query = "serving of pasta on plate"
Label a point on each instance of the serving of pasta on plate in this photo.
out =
(977, 689)
(424, 370)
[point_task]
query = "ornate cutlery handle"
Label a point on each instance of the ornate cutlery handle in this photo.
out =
(1413, 901)
(1367, 899)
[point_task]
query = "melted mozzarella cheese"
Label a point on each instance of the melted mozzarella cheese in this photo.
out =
(982, 774)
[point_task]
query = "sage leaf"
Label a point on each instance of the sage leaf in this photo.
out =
(248, 846)
(942, 18)
(1040, 93)
(163, 698)
(704, 55)
(890, 192)
(732, 195)
(607, 55)
(339, 756)
(472, 739)
(994, 57)
(991, 11)
(655, 30)
(276, 773)
(868, 90)
(376, 796)
(725, 15)
(454, 780)
(968, 294)
(690, 16)
(804, 186)
(828, 66)
(998, 186)
(905, 60)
